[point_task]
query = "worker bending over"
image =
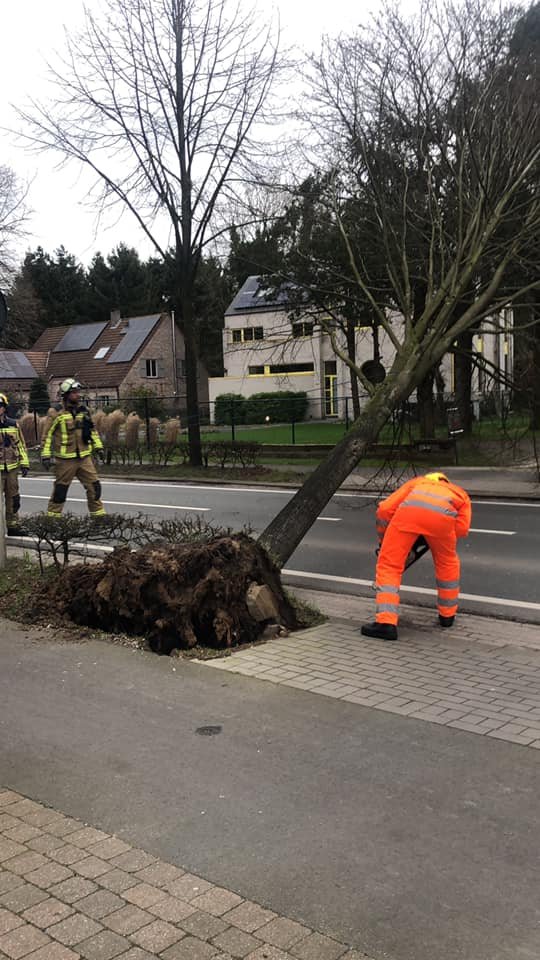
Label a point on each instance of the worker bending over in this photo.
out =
(440, 511)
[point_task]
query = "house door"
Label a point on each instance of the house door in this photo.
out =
(330, 389)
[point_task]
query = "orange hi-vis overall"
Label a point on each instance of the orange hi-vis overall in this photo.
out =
(439, 511)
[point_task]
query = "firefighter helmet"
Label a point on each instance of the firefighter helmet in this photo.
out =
(437, 477)
(68, 385)
(3, 400)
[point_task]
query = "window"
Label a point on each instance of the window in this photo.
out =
(277, 369)
(102, 352)
(151, 368)
(247, 334)
(291, 368)
(302, 329)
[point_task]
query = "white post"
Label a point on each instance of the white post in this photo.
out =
(3, 551)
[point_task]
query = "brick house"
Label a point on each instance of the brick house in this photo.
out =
(111, 359)
(17, 370)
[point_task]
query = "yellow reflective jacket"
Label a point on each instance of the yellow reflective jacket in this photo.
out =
(71, 435)
(13, 452)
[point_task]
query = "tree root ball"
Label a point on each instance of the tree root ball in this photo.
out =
(177, 596)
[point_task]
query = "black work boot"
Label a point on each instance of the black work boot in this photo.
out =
(381, 631)
(446, 621)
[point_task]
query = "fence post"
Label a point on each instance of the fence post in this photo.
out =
(346, 414)
(292, 430)
(147, 419)
(233, 437)
(3, 551)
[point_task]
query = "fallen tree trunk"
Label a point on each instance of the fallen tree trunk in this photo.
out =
(179, 596)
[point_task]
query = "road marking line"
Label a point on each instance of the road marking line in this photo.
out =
(124, 503)
(157, 506)
(478, 598)
(201, 487)
(353, 495)
(503, 533)
(508, 503)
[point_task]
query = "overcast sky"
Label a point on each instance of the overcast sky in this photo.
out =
(31, 30)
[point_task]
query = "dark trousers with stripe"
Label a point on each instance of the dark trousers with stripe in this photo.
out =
(10, 483)
(65, 472)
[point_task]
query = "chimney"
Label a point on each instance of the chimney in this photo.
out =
(116, 319)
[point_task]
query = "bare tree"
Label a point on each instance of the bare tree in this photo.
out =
(434, 128)
(13, 217)
(159, 99)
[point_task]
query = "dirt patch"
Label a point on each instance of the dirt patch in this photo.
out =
(177, 596)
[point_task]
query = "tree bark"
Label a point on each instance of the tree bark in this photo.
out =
(288, 528)
(462, 380)
(192, 388)
(535, 378)
(426, 407)
(351, 350)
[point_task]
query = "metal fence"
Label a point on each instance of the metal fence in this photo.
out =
(233, 419)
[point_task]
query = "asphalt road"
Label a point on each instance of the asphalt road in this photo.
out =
(499, 558)
(408, 840)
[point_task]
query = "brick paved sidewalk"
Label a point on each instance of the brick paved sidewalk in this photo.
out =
(68, 890)
(483, 676)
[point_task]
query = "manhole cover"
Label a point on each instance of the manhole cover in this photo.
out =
(208, 731)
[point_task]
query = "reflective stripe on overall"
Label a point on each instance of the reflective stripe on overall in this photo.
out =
(428, 509)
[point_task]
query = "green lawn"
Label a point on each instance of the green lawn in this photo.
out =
(332, 431)
(282, 433)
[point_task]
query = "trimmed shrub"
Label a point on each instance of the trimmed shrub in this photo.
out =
(30, 427)
(112, 425)
(132, 429)
(171, 431)
(284, 406)
(234, 454)
(224, 406)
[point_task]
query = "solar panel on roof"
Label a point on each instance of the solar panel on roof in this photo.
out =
(79, 337)
(135, 334)
(15, 365)
(252, 296)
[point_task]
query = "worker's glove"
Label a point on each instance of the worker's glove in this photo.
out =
(100, 456)
(24, 471)
(46, 462)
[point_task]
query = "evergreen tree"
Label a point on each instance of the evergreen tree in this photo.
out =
(39, 399)
(26, 316)
(60, 284)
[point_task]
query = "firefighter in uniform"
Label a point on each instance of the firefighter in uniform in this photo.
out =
(13, 455)
(436, 509)
(72, 439)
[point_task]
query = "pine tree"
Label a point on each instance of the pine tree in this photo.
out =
(39, 396)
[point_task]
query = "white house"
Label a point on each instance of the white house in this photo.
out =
(265, 350)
